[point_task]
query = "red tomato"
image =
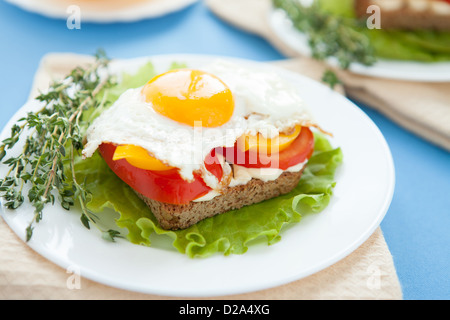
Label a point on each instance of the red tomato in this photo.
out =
(164, 186)
(299, 151)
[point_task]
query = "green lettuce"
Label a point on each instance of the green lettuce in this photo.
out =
(228, 233)
(420, 45)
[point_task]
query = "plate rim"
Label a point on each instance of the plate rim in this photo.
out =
(344, 252)
(131, 14)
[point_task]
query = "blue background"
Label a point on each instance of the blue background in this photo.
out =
(417, 226)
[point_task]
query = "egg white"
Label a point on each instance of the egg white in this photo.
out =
(263, 104)
(270, 103)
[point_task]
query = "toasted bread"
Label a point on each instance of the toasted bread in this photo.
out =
(408, 14)
(174, 217)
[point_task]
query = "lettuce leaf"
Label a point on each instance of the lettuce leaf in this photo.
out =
(420, 45)
(228, 233)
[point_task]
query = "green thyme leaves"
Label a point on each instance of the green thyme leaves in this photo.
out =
(51, 139)
(329, 35)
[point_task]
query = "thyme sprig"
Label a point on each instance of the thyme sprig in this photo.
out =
(54, 136)
(330, 36)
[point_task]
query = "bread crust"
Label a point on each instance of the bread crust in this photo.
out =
(409, 16)
(175, 217)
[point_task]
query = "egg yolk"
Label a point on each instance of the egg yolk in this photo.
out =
(189, 96)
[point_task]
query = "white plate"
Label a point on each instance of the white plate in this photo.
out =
(365, 186)
(104, 11)
(389, 69)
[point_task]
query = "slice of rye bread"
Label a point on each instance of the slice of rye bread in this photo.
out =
(175, 217)
(408, 14)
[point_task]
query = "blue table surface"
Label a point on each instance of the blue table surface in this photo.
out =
(417, 224)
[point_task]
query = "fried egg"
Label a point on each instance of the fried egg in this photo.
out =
(179, 116)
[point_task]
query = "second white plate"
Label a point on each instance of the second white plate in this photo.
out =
(389, 69)
(364, 190)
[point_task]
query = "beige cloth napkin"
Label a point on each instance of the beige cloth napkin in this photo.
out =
(422, 108)
(366, 274)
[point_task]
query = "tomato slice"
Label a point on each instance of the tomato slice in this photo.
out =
(164, 186)
(300, 150)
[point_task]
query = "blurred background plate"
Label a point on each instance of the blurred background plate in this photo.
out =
(389, 69)
(104, 11)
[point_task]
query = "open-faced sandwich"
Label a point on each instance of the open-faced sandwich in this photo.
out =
(196, 143)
